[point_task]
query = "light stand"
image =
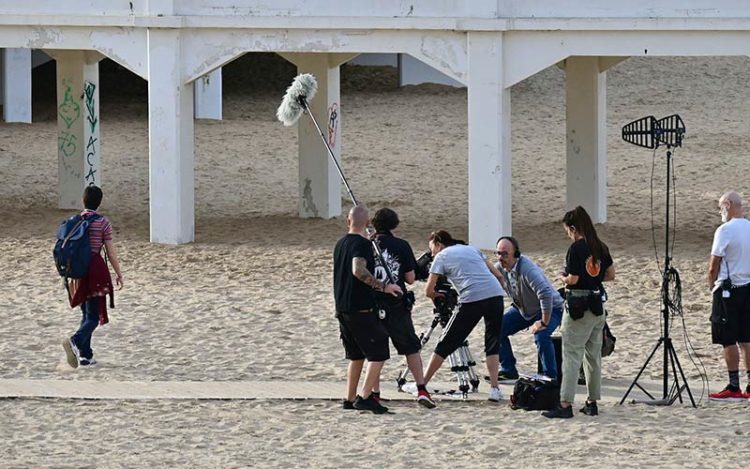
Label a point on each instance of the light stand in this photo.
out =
(649, 133)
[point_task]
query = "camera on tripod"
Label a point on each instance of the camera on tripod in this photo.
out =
(447, 298)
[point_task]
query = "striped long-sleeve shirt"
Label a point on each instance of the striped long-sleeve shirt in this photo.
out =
(99, 231)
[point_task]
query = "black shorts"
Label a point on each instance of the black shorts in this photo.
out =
(735, 312)
(466, 318)
(364, 336)
(400, 327)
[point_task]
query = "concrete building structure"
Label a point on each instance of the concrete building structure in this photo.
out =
(486, 45)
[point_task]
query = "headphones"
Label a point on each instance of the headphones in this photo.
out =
(514, 242)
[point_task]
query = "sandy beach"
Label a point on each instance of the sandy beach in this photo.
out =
(251, 299)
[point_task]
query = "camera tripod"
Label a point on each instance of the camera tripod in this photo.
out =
(460, 361)
(649, 133)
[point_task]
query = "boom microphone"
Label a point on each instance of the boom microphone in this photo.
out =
(295, 102)
(302, 90)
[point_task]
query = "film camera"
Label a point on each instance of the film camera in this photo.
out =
(448, 299)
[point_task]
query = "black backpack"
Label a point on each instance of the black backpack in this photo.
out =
(532, 393)
(72, 250)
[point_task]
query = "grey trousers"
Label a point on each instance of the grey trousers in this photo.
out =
(582, 342)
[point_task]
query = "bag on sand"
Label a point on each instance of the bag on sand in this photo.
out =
(535, 393)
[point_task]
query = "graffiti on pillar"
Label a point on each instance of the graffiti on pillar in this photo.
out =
(66, 142)
(90, 154)
(89, 93)
(308, 204)
(69, 111)
(333, 122)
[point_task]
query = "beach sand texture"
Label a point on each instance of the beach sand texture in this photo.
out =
(251, 298)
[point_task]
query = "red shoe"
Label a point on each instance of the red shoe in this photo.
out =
(728, 394)
(424, 399)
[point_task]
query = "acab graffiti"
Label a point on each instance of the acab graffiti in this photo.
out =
(92, 118)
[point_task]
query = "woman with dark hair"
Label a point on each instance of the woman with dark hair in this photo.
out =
(587, 264)
(479, 295)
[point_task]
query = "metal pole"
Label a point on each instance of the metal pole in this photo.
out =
(665, 281)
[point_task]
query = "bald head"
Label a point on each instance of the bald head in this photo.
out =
(731, 197)
(358, 217)
(732, 202)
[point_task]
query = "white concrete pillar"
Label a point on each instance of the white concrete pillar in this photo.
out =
(170, 126)
(319, 182)
(586, 136)
(489, 141)
(78, 123)
(208, 96)
(16, 85)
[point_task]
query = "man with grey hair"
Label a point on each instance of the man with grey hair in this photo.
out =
(362, 332)
(536, 306)
(729, 277)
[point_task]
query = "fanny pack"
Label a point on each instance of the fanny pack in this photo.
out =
(577, 302)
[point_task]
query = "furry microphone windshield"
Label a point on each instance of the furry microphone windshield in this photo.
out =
(299, 93)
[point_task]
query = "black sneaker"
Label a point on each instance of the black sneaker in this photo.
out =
(590, 408)
(87, 361)
(347, 405)
(559, 413)
(369, 404)
(506, 376)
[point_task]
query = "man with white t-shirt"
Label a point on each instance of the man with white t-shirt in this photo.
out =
(729, 277)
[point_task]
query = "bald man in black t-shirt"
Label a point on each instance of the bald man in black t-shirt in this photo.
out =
(362, 332)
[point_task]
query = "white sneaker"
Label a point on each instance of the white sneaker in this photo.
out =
(496, 395)
(71, 352)
(410, 387)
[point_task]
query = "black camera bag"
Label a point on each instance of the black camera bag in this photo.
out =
(535, 394)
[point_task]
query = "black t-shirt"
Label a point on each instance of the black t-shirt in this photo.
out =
(350, 293)
(400, 259)
(580, 262)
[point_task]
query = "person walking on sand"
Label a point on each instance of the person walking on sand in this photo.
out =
(90, 292)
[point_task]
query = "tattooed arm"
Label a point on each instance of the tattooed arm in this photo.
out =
(359, 269)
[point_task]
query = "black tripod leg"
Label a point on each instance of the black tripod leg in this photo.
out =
(653, 352)
(684, 380)
(677, 387)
